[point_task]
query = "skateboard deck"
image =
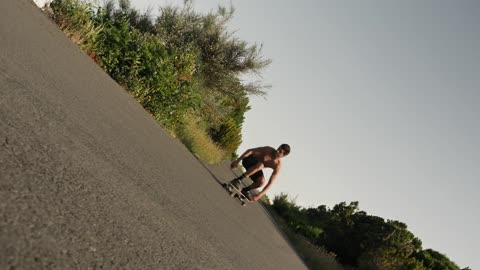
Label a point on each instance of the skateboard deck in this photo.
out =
(234, 192)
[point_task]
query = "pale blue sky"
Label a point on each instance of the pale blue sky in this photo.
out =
(379, 102)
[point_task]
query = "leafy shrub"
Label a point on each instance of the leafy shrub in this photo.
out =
(181, 61)
(74, 17)
(228, 135)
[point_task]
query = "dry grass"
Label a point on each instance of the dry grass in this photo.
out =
(194, 136)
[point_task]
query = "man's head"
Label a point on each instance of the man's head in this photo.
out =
(284, 149)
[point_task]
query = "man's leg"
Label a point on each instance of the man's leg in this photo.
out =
(236, 181)
(252, 171)
(258, 181)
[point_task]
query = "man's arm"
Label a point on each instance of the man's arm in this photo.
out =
(274, 175)
(244, 155)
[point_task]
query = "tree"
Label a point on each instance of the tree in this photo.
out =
(361, 240)
(434, 260)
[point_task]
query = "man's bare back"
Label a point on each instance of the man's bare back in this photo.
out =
(268, 156)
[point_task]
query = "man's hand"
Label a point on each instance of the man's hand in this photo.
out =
(255, 197)
(234, 164)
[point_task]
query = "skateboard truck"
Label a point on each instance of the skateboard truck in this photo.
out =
(236, 193)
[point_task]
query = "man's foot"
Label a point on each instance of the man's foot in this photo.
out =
(245, 193)
(236, 183)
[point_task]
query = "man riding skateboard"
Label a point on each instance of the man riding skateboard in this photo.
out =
(254, 160)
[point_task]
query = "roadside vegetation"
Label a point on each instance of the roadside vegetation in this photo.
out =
(314, 257)
(183, 67)
(186, 70)
(356, 240)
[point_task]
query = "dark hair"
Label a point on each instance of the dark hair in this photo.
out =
(285, 148)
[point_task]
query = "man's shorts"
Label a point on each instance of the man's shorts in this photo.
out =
(247, 163)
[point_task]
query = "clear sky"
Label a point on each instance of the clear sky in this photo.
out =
(380, 104)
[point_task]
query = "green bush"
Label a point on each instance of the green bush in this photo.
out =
(75, 18)
(228, 135)
(360, 240)
(181, 61)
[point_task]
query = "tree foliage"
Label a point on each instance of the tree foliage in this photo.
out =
(434, 260)
(180, 62)
(360, 240)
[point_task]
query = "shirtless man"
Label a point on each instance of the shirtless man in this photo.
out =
(254, 160)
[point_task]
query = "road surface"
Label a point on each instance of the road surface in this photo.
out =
(88, 180)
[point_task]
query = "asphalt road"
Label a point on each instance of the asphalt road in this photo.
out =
(88, 180)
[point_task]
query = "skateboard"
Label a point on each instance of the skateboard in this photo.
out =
(234, 192)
